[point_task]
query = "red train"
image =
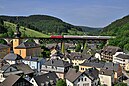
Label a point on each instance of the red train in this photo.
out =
(58, 36)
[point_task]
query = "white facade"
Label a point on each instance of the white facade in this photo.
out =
(59, 70)
(33, 82)
(34, 64)
(105, 80)
(13, 61)
(123, 62)
(82, 80)
(1, 76)
(97, 55)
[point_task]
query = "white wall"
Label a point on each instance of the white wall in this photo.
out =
(69, 83)
(33, 82)
(105, 80)
(97, 55)
(88, 81)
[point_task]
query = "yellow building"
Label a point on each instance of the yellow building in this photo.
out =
(4, 50)
(26, 48)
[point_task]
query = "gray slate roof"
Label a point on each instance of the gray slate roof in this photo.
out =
(123, 56)
(106, 72)
(10, 80)
(57, 63)
(12, 56)
(27, 44)
(111, 66)
(46, 78)
(72, 74)
(3, 46)
(111, 50)
(93, 64)
(23, 67)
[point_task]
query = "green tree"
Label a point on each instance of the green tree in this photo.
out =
(61, 82)
(121, 84)
(46, 52)
(78, 47)
(126, 47)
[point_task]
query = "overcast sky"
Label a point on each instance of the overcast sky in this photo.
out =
(93, 13)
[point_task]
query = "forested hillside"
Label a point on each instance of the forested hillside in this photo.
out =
(120, 29)
(43, 23)
(7, 29)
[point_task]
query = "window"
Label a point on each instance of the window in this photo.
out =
(82, 79)
(10, 69)
(79, 80)
(86, 84)
(20, 52)
(85, 79)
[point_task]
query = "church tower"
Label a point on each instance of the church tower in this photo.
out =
(17, 40)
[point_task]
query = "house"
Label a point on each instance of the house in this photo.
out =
(12, 58)
(15, 80)
(25, 68)
(87, 78)
(4, 50)
(78, 58)
(122, 59)
(108, 52)
(101, 65)
(35, 63)
(25, 48)
(86, 65)
(48, 79)
(106, 77)
(116, 68)
(57, 65)
(6, 70)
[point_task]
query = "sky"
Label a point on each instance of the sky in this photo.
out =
(92, 13)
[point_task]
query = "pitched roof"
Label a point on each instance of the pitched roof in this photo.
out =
(111, 49)
(92, 73)
(72, 74)
(12, 56)
(30, 58)
(123, 56)
(111, 66)
(4, 67)
(48, 77)
(93, 64)
(10, 80)
(23, 67)
(57, 63)
(79, 56)
(106, 72)
(3, 46)
(27, 45)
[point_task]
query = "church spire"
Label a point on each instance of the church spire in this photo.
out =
(17, 33)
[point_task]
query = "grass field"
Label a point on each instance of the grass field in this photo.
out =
(26, 32)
